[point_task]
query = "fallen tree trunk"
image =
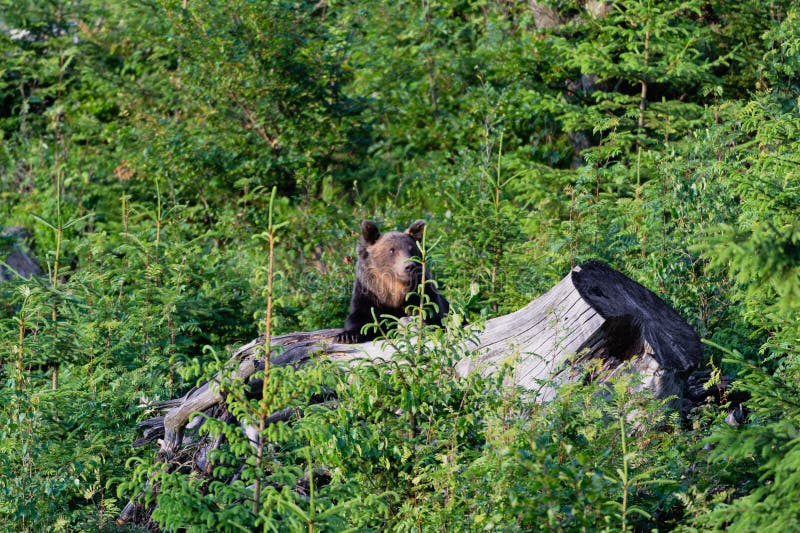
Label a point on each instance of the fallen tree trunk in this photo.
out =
(594, 313)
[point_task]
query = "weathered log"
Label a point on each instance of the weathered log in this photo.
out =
(594, 313)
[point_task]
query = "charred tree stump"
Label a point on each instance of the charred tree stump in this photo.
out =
(594, 315)
(595, 312)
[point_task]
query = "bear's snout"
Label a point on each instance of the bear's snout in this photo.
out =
(409, 272)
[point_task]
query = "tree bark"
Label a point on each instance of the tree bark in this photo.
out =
(17, 258)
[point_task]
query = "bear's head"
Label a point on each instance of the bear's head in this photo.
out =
(385, 264)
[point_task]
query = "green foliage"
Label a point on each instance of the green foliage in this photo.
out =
(224, 501)
(637, 62)
(271, 113)
(138, 141)
(761, 247)
(562, 470)
(759, 250)
(757, 465)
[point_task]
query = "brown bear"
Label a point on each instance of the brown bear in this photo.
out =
(387, 281)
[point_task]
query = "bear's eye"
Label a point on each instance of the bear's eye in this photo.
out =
(391, 250)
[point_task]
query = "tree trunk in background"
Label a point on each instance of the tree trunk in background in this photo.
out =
(546, 18)
(17, 255)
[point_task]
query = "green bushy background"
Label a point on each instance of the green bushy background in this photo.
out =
(140, 142)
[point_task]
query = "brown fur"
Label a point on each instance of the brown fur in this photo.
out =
(387, 279)
(388, 287)
(384, 267)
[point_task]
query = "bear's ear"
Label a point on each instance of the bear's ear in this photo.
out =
(369, 231)
(416, 229)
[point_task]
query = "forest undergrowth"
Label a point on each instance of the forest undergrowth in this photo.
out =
(184, 167)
